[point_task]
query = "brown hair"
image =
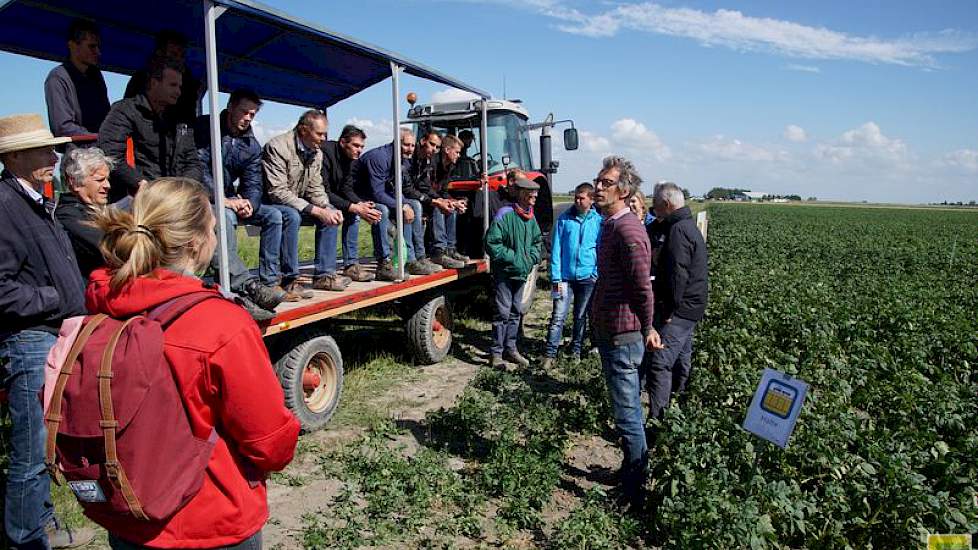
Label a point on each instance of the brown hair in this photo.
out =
(169, 218)
(450, 142)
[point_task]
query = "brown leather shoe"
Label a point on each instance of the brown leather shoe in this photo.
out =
(385, 271)
(331, 281)
(358, 273)
(296, 292)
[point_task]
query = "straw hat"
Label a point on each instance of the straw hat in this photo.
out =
(20, 132)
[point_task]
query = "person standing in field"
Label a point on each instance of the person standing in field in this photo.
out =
(573, 269)
(681, 294)
(87, 182)
(514, 243)
(621, 315)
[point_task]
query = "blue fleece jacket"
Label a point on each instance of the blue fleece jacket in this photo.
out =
(573, 254)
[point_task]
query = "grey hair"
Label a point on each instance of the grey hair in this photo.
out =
(628, 179)
(406, 132)
(81, 162)
(670, 193)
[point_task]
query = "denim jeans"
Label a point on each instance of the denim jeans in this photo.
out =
(621, 359)
(237, 271)
(27, 508)
(287, 268)
(251, 543)
(442, 231)
(325, 262)
(580, 293)
(413, 232)
(506, 317)
(667, 370)
(273, 222)
(351, 239)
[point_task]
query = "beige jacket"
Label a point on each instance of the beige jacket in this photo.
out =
(287, 179)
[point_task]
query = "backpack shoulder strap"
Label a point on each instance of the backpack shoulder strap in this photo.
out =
(168, 312)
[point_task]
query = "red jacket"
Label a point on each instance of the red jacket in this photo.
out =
(225, 377)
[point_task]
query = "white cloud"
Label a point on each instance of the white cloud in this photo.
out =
(966, 159)
(452, 94)
(795, 133)
(731, 149)
(735, 30)
(264, 133)
(633, 135)
(378, 132)
(594, 143)
(865, 142)
(802, 68)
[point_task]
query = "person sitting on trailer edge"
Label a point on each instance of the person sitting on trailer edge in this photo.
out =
(373, 176)
(432, 171)
(338, 158)
(161, 145)
(514, 243)
(87, 192)
(292, 168)
(241, 161)
(75, 91)
(218, 359)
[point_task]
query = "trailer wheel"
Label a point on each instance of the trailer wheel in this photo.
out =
(311, 375)
(529, 289)
(429, 331)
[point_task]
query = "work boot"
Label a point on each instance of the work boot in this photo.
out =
(446, 261)
(385, 271)
(257, 313)
(435, 268)
(358, 273)
(62, 536)
(496, 361)
(296, 292)
(267, 297)
(452, 253)
(331, 281)
(514, 356)
(419, 267)
(548, 363)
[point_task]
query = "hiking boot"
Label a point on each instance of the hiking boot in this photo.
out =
(496, 361)
(266, 297)
(514, 356)
(418, 267)
(548, 363)
(62, 536)
(257, 313)
(447, 261)
(331, 281)
(358, 273)
(296, 292)
(385, 271)
(435, 268)
(452, 253)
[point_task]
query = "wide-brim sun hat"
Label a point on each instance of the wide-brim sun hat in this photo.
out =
(22, 132)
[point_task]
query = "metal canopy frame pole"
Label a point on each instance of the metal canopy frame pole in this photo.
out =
(211, 12)
(484, 148)
(396, 161)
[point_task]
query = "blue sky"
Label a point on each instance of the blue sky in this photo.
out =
(869, 100)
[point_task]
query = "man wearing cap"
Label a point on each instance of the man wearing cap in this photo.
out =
(40, 286)
(514, 245)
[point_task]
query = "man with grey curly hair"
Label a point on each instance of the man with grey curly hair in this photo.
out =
(87, 186)
(621, 315)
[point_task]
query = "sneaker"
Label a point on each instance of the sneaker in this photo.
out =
(418, 267)
(331, 281)
(62, 536)
(358, 273)
(548, 363)
(267, 297)
(296, 292)
(385, 271)
(435, 268)
(452, 253)
(258, 313)
(515, 357)
(447, 261)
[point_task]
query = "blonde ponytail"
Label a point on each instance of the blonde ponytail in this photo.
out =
(169, 221)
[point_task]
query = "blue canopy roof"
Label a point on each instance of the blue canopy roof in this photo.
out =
(282, 58)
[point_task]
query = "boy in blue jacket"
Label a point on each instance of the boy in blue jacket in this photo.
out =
(573, 269)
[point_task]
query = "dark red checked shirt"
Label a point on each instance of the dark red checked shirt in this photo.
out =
(622, 300)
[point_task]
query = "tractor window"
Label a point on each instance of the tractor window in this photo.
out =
(507, 136)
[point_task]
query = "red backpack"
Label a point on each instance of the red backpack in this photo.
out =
(120, 428)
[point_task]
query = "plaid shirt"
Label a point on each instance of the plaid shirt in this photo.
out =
(622, 300)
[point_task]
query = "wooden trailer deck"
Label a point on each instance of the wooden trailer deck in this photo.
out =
(325, 304)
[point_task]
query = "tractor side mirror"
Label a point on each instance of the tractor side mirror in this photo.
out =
(570, 139)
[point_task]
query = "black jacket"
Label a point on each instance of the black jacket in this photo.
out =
(337, 176)
(161, 146)
(681, 278)
(75, 216)
(39, 281)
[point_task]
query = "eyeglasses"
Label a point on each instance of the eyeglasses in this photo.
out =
(603, 182)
